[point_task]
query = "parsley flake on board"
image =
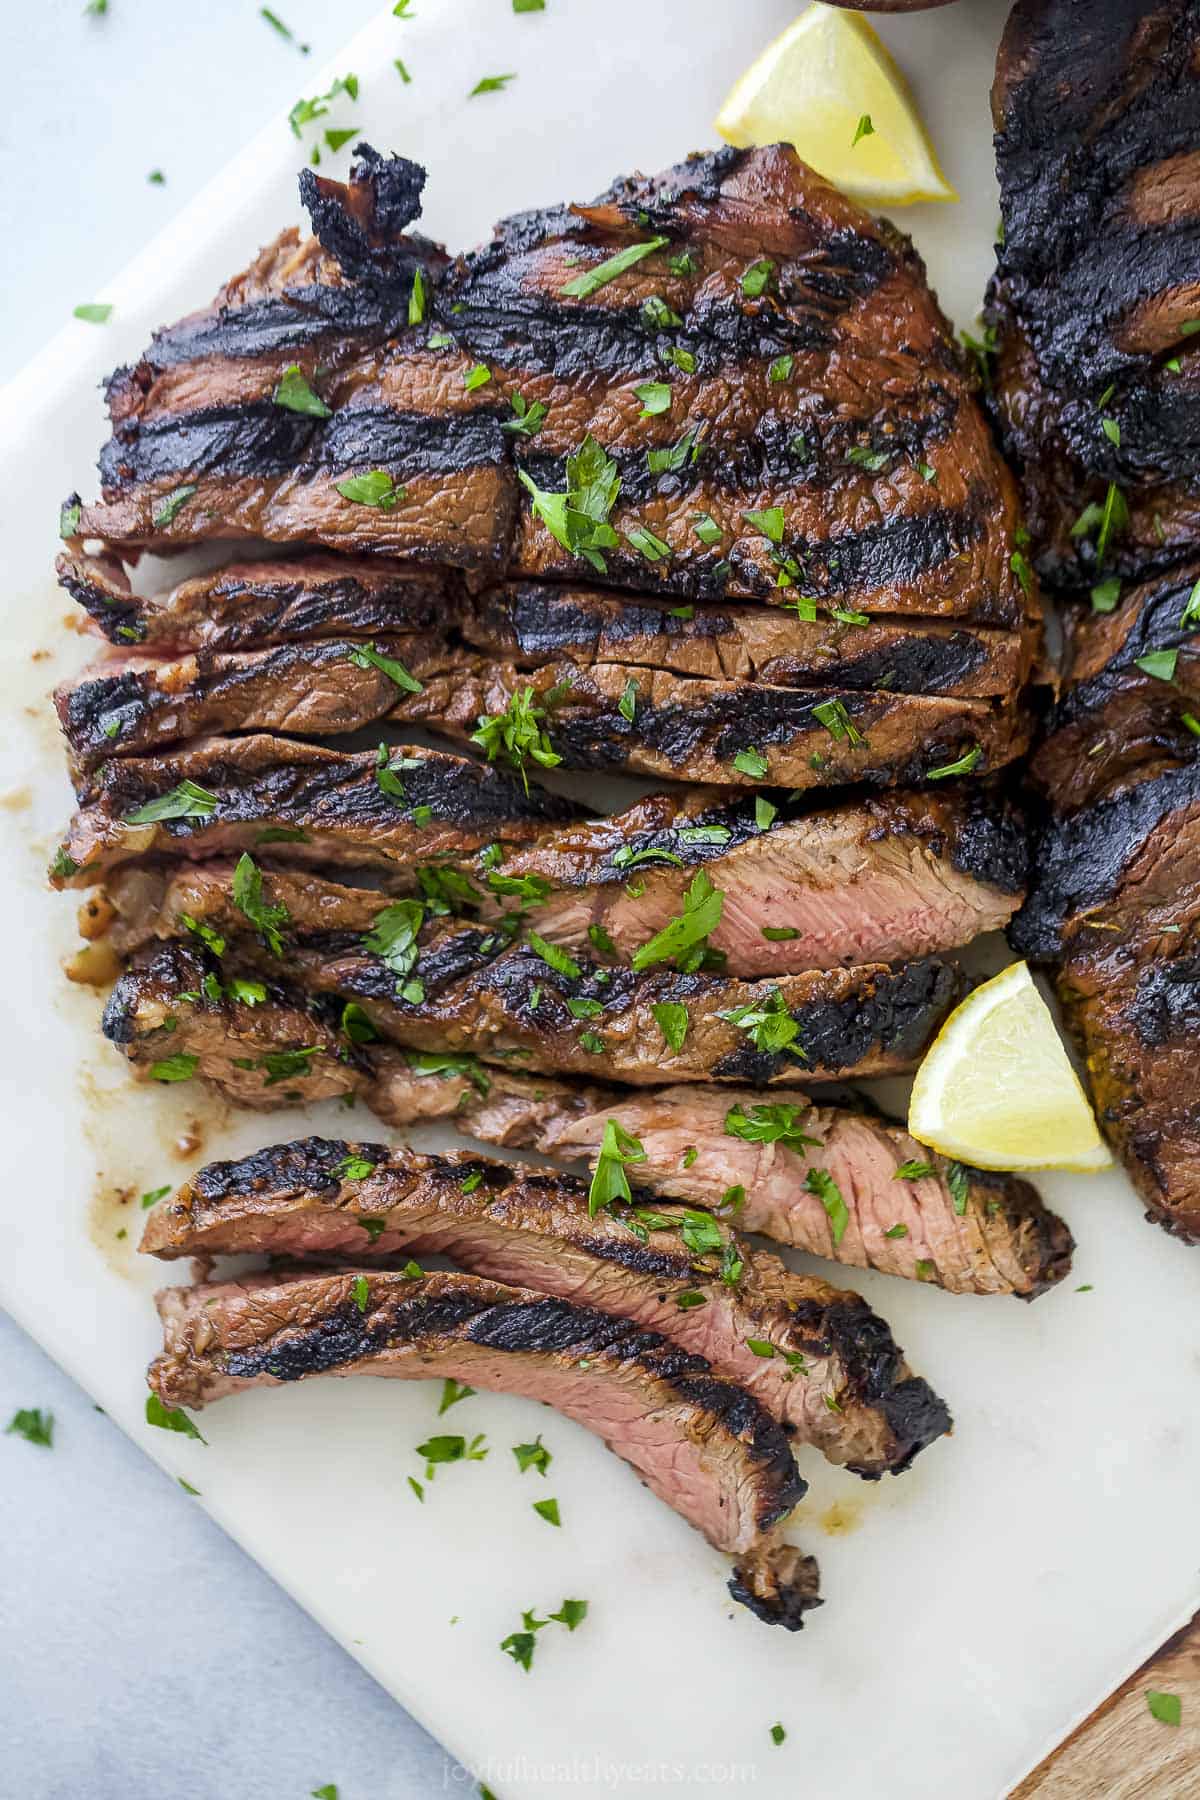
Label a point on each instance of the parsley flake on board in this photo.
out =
(1166, 1708)
(93, 313)
(153, 1196)
(34, 1425)
(490, 84)
(366, 656)
(777, 1731)
(683, 939)
(452, 1392)
(586, 284)
(533, 1456)
(376, 488)
(548, 1510)
(284, 31)
(304, 112)
(171, 1418)
(609, 1180)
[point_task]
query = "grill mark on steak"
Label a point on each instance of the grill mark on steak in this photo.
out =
(1003, 1242)
(267, 785)
(526, 623)
(883, 880)
(1096, 277)
(703, 1445)
(847, 1389)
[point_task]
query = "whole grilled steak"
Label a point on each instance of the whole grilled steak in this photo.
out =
(1096, 291)
(1131, 692)
(881, 880)
(907, 1211)
(255, 605)
(473, 990)
(1116, 904)
(804, 416)
(818, 1359)
(322, 807)
(703, 1445)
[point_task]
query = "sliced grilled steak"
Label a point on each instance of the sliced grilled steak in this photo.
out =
(1132, 693)
(132, 705)
(317, 806)
(1117, 904)
(884, 880)
(822, 1363)
(703, 1445)
(473, 989)
(1002, 1240)
(1097, 287)
(212, 437)
(529, 623)
(653, 722)
(252, 605)
(810, 371)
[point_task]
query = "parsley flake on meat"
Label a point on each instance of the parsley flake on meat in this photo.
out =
(684, 938)
(578, 518)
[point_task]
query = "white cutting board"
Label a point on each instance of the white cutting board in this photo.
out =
(977, 1607)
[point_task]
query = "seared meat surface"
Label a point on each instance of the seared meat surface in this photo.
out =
(317, 806)
(1097, 291)
(897, 876)
(702, 1444)
(473, 990)
(1116, 904)
(908, 1211)
(825, 1365)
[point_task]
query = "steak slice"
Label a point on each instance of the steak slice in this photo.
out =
(1117, 906)
(474, 990)
(223, 795)
(1132, 692)
(822, 1363)
(998, 1239)
(703, 1445)
(208, 441)
(884, 880)
(653, 722)
(1097, 289)
(820, 423)
(253, 605)
(528, 623)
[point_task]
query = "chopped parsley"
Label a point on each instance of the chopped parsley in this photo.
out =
(914, 1171)
(707, 529)
(768, 1024)
(627, 704)
(1158, 663)
(533, 1456)
(690, 1298)
(394, 937)
(285, 1065)
(781, 369)
(683, 939)
(528, 417)
(366, 656)
(833, 716)
(779, 934)
(1166, 1708)
(578, 518)
(655, 397)
(171, 1418)
(556, 957)
(772, 1124)
(777, 1732)
(652, 547)
(958, 1181)
(376, 488)
(449, 1449)
(306, 111)
(896, 1231)
(417, 299)
(357, 1168)
(294, 394)
(34, 1425)
(490, 84)
(548, 1510)
(248, 898)
(285, 31)
(180, 1067)
(452, 1392)
(821, 1183)
(571, 1613)
(966, 764)
(752, 763)
(431, 1062)
(593, 279)
(923, 1269)
(360, 1292)
(672, 1020)
(517, 733)
(176, 500)
(673, 457)
(863, 129)
(1106, 593)
(757, 278)
(865, 458)
(477, 376)
(1019, 563)
(153, 1196)
(658, 316)
(93, 314)
(609, 1180)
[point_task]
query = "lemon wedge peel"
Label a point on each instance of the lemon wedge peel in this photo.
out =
(998, 1090)
(813, 86)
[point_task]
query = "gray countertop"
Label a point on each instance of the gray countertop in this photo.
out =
(142, 1655)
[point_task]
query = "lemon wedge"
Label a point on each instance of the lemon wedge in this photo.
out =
(829, 87)
(998, 1090)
